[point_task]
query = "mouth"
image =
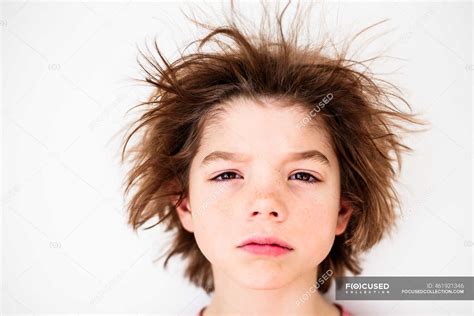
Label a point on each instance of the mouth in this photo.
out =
(265, 246)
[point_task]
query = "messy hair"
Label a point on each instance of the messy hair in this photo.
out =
(363, 117)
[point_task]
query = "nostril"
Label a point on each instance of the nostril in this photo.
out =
(272, 213)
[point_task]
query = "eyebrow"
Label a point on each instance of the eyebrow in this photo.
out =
(314, 155)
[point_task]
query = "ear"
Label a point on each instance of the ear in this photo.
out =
(343, 216)
(184, 213)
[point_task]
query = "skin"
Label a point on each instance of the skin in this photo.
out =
(265, 192)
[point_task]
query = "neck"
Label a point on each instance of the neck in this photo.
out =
(299, 297)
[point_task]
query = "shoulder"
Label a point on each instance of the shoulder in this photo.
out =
(344, 312)
(200, 313)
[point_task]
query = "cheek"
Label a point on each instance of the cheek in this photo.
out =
(211, 222)
(316, 228)
(206, 232)
(319, 220)
(318, 208)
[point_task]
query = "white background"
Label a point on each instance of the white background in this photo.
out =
(66, 85)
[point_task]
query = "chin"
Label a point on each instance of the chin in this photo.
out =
(263, 284)
(263, 279)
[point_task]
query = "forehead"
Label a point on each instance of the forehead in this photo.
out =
(265, 125)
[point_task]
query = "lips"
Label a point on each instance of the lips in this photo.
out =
(272, 241)
(265, 246)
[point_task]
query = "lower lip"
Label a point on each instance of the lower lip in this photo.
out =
(269, 250)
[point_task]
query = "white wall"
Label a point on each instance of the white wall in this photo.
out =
(65, 74)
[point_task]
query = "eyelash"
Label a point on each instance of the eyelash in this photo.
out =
(310, 175)
(227, 172)
(304, 173)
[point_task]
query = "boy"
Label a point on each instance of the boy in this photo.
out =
(271, 163)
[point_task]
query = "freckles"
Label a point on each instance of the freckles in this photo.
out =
(214, 215)
(309, 213)
(318, 220)
(315, 207)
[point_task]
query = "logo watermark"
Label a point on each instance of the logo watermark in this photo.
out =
(405, 288)
(320, 281)
(315, 110)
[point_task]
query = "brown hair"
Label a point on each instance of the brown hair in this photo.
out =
(362, 118)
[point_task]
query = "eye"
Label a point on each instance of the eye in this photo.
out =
(225, 176)
(305, 177)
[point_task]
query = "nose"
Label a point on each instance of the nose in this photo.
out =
(270, 214)
(267, 203)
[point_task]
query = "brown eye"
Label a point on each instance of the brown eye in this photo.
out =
(305, 177)
(225, 176)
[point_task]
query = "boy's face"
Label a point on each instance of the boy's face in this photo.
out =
(264, 189)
